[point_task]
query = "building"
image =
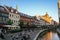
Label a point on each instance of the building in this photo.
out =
(59, 10)
(36, 21)
(47, 18)
(7, 13)
(32, 20)
(26, 18)
(40, 21)
(44, 20)
(52, 22)
(3, 16)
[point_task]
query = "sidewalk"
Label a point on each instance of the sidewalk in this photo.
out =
(18, 36)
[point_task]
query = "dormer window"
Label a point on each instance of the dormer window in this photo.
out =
(11, 10)
(1, 8)
(16, 11)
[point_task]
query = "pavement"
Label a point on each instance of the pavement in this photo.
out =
(19, 35)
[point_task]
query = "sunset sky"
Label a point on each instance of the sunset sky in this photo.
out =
(34, 7)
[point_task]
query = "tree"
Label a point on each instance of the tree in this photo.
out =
(9, 22)
(21, 23)
(27, 24)
(34, 26)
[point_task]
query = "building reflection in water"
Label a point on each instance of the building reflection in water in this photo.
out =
(49, 36)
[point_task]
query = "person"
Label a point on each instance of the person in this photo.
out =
(24, 38)
(2, 36)
(28, 36)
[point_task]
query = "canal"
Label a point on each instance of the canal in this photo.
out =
(49, 36)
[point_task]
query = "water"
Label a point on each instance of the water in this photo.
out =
(55, 36)
(49, 36)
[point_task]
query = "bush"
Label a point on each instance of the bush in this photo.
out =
(21, 23)
(34, 26)
(9, 22)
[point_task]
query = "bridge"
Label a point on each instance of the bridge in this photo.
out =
(33, 34)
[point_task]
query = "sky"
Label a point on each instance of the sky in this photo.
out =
(34, 7)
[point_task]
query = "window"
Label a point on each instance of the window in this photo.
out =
(16, 11)
(4, 14)
(1, 8)
(14, 21)
(16, 16)
(3, 19)
(11, 10)
(0, 19)
(6, 19)
(10, 15)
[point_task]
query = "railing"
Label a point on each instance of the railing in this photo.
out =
(38, 34)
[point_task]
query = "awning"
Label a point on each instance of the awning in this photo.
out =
(1, 25)
(10, 26)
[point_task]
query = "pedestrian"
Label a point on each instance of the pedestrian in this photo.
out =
(24, 38)
(2, 36)
(28, 36)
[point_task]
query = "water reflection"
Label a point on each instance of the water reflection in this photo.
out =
(55, 36)
(49, 36)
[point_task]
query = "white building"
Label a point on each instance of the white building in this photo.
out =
(7, 13)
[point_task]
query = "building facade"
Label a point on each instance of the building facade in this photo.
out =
(26, 18)
(41, 21)
(7, 13)
(59, 10)
(13, 15)
(3, 15)
(44, 20)
(15, 18)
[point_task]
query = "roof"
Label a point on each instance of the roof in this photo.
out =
(47, 18)
(5, 11)
(8, 9)
(25, 15)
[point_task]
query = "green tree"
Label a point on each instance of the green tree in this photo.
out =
(27, 24)
(21, 23)
(34, 26)
(9, 22)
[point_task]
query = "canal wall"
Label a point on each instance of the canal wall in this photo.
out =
(41, 31)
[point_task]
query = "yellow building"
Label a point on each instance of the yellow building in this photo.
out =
(59, 10)
(47, 18)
